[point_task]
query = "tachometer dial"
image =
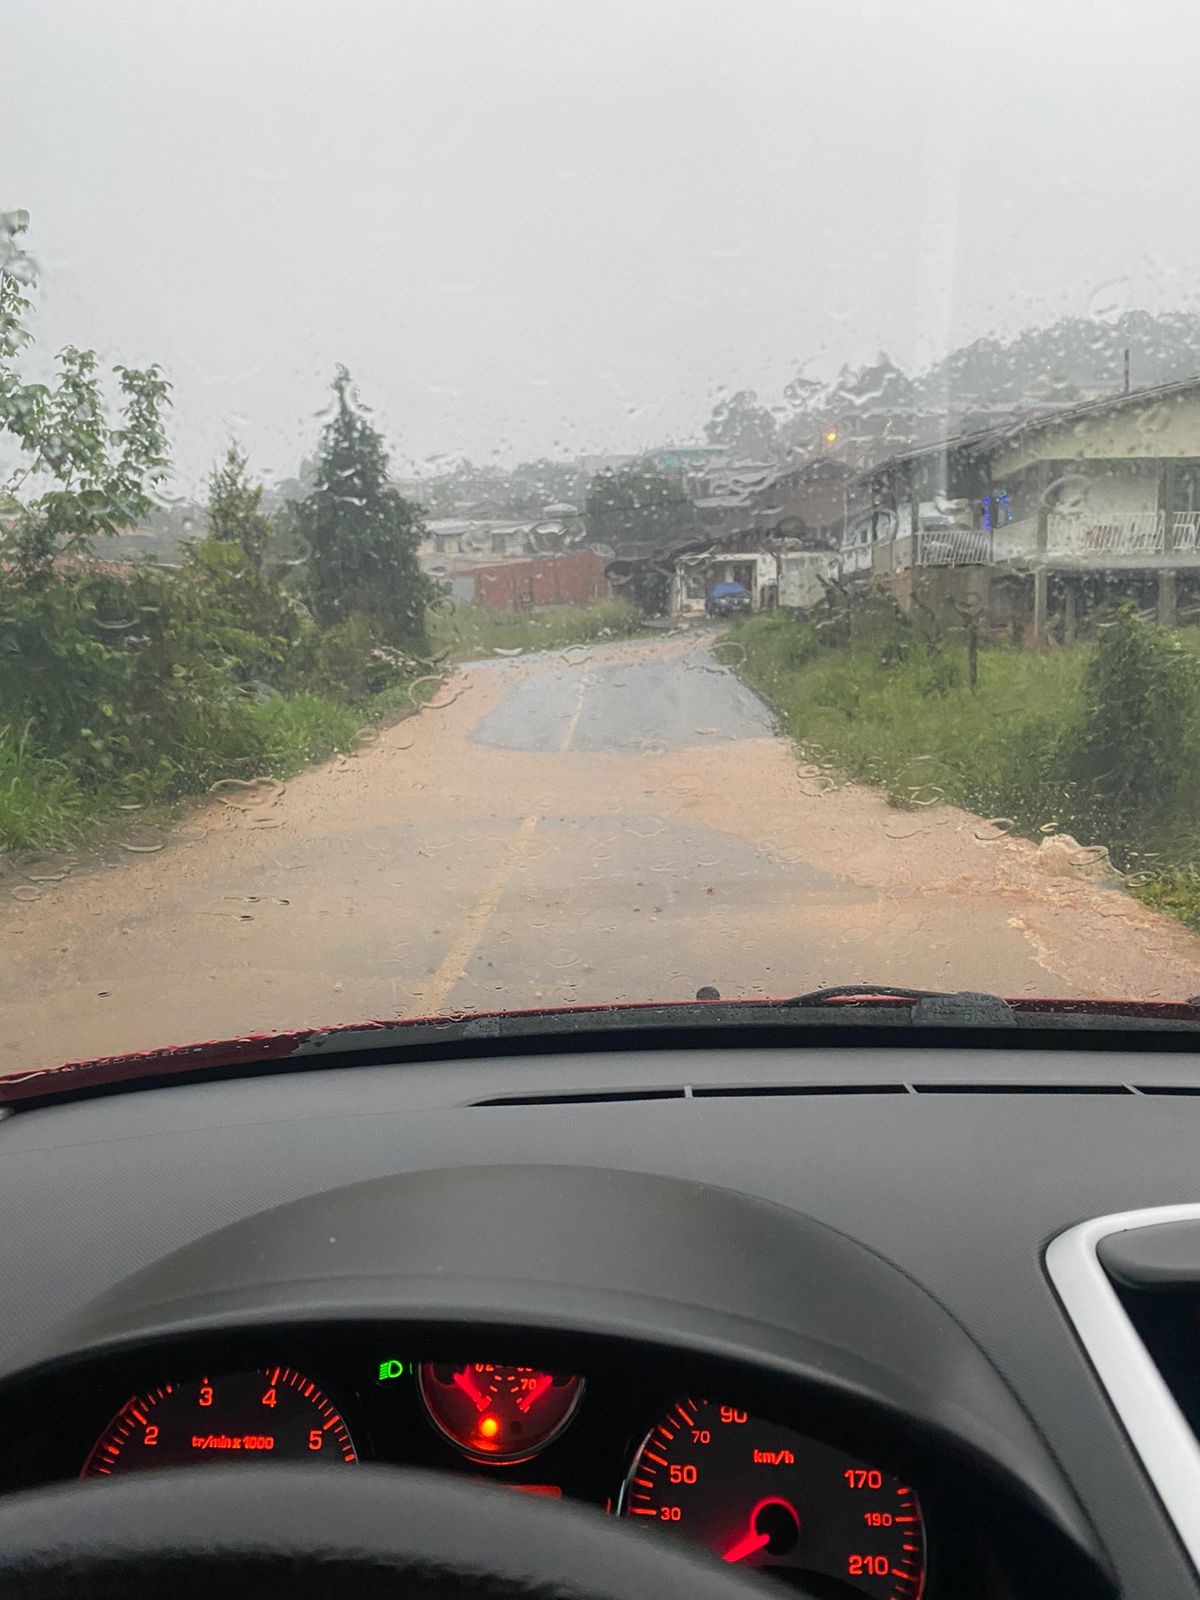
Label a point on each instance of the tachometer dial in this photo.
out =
(758, 1495)
(274, 1414)
(498, 1413)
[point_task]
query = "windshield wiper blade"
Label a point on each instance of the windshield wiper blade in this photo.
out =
(930, 1007)
(861, 991)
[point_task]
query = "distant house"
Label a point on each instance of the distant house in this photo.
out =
(722, 493)
(804, 578)
(805, 502)
(1073, 503)
(685, 459)
(774, 569)
(475, 536)
(722, 513)
(734, 559)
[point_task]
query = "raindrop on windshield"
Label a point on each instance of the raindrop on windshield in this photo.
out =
(144, 844)
(1109, 300)
(443, 701)
(46, 869)
(995, 828)
(248, 794)
(904, 830)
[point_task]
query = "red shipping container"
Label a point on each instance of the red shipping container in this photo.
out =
(573, 579)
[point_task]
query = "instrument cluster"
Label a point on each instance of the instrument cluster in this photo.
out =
(749, 1489)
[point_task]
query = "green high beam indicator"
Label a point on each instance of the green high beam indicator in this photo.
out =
(393, 1369)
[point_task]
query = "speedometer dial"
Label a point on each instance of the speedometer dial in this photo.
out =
(758, 1495)
(274, 1414)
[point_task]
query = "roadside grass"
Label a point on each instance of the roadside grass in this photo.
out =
(399, 700)
(302, 730)
(470, 632)
(47, 805)
(896, 711)
(41, 804)
(44, 806)
(902, 716)
(1177, 891)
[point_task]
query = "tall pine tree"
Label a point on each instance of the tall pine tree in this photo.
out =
(361, 535)
(235, 514)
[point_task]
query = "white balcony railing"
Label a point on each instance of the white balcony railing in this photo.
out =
(932, 547)
(1074, 534)
(1127, 533)
(954, 547)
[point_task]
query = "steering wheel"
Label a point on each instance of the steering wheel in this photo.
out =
(275, 1533)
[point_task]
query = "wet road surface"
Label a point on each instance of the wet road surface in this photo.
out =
(618, 823)
(632, 706)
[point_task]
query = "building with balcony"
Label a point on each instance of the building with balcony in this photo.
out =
(1053, 512)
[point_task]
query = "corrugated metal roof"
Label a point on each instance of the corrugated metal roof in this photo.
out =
(991, 438)
(1089, 408)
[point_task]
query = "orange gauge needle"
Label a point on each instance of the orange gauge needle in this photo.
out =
(747, 1545)
(532, 1395)
(469, 1387)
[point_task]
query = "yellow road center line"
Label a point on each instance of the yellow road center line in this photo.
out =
(439, 988)
(574, 722)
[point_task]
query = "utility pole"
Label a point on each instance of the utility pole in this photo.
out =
(1126, 369)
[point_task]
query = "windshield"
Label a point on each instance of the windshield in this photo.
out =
(507, 504)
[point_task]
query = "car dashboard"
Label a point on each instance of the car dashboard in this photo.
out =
(808, 1322)
(752, 1489)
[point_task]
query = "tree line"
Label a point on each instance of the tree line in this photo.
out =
(141, 679)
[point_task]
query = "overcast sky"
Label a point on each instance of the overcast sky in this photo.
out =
(551, 226)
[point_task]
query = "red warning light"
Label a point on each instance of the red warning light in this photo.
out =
(489, 1427)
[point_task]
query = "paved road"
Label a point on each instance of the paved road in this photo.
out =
(608, 824)
(636, 706)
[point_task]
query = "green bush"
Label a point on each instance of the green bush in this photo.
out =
(152, 671)
(151, 684)
(244, 618)
(1137, 744)
(347, 661)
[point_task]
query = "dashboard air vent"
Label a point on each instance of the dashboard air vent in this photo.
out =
(1023, 1088)
(586, 1097)
(775, 1091)
(764, 1091)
